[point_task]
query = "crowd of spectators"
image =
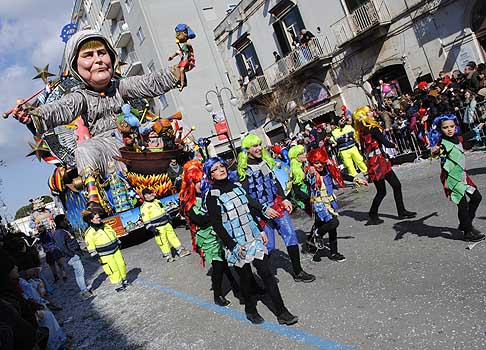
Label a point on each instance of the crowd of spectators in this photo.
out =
(407, 118)
(27, 320)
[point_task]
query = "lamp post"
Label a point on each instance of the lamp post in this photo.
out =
(217, 92)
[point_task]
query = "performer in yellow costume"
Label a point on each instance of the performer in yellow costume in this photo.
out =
(343, 136)
(156, 220)
(102, 242)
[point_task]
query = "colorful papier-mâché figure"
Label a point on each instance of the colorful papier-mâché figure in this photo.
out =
(92, 60)
(186, 52)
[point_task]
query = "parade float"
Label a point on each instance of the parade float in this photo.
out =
(99, 132)
(146, 155)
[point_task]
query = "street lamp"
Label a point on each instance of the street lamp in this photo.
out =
(217, 92)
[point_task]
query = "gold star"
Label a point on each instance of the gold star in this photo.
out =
(43, 73)
(39, 149)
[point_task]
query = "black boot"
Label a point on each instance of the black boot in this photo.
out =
(405, 214)
(255, 318)
(473, 237)
(287, 318)
(221, 301)
(373, 219)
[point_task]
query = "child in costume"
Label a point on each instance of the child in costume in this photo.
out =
(204, 239)
(255, 172)
(186, 52)
(156, 220)
(296, 184)
(102, 243)
(319, 176)
(92, 59)
(455, 179)
(228, 208)
(369, 133)
(344, 138)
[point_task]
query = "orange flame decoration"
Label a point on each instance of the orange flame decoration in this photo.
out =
(160, 184)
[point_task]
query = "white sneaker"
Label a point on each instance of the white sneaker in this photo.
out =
(183, 252)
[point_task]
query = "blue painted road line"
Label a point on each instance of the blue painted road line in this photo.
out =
(291, 333)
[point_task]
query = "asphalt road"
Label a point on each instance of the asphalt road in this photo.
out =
(407, 284)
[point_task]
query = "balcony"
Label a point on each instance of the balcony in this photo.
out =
(256, 87)
(133, 65)
(371, 17)
(121, 35)
(111, 9)
(299, 59)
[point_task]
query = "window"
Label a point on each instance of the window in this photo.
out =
(287, 29)
(140, 35)
(247, 62)
(354, 4)
(313, 94)
(129, 5)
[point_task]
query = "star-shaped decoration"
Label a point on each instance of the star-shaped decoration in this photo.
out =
(39, 149)
(43, 73)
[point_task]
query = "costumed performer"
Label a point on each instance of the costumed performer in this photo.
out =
(455, 179)
(103, 244)
(255, 172)
(344, 138)
(319, 176)
(369, 133)
(227, 204)
(204, 239)
(156, 220)
(92, 59)
(296, 184)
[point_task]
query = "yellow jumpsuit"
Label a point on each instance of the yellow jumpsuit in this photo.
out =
(154, 216)
(104, 242)
(349, 153)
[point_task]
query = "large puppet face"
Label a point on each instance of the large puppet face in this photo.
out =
(95, 66)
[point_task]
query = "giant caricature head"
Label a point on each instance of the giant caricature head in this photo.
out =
(91, 58)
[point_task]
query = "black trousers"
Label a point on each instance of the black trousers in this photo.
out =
(220, 268)
(263, 270)
(392, 179)
(331, 228)
(466, 211)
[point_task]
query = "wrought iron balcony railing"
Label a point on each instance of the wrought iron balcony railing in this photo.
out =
(370, 15)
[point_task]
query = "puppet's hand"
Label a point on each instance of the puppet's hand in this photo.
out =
(20, 114)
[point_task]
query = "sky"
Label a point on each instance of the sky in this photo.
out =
(29, 36)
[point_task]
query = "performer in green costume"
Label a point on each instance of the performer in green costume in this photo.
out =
(457, 183)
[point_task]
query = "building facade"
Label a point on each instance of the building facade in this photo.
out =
(355, 45)
(143, 33)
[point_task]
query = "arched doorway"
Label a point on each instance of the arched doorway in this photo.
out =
(478, 22)
(395, 77)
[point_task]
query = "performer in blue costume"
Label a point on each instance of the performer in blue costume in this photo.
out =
(319, 176)
(255, 172)
(228, 208)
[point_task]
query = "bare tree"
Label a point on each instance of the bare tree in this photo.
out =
(352, 73)
(283, 103)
